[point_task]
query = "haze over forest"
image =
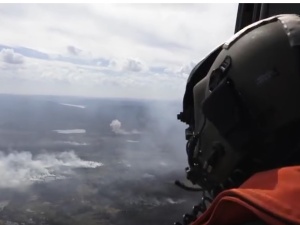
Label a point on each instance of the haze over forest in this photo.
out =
(67, 160)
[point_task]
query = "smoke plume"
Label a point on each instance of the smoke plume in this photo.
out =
(19, 169)
(116, 127)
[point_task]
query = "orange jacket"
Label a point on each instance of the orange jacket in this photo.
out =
(272, 196)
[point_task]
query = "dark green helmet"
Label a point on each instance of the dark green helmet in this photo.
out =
(242, 101)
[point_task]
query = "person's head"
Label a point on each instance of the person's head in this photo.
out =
(242, 105)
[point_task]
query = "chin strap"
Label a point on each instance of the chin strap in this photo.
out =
(205, 201)
(207, 195)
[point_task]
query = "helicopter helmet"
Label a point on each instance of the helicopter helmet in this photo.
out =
(242, 105)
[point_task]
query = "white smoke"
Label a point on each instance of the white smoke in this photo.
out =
(172, 201)
(73, 131)
(132, 141)
(19, 169)
(151, 202)
(74, 143)
(116, 127)
(72, 105)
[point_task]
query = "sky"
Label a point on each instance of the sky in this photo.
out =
(143, 51)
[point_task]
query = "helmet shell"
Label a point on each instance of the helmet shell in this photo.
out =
(257, 94)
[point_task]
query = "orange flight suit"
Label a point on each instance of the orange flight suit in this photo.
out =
(272, 196)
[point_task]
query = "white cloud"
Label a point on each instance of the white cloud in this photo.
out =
(133, 65)
(9, 56)
(187, 68)
(154, 33)
(73, 50)
(127, 65)
(111, 47)
(62, 78)
(183, 71)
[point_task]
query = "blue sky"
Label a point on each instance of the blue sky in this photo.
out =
(101, 50)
